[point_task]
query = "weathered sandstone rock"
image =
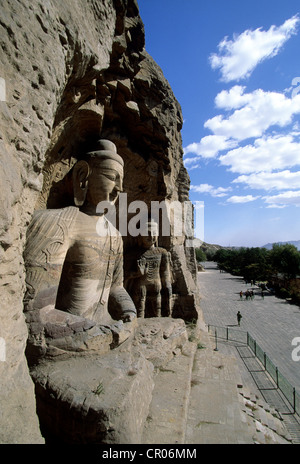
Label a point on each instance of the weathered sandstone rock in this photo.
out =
(96, 399)
(73, 69)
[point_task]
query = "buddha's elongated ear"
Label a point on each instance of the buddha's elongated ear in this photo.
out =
(81, 172)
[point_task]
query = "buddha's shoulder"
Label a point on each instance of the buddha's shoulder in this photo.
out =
(70, 212)
(49, 218)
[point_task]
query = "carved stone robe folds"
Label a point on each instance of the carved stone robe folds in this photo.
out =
(74, 266)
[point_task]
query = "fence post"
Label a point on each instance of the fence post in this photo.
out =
(216, 337)
(253, 345)
(294, 399)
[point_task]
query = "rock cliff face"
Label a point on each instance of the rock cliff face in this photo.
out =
(73, 70)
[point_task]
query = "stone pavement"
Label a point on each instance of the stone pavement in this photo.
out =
(199, 398)
(206, 395)
(221, 408)
(272, 322)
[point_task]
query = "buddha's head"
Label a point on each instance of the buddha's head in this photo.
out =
(99, 176)
(149, 234)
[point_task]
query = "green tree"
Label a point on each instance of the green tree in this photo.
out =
(200, 255)
(285, 259)
(223, 258)
(256, 264)
(251, 263)
(210, 255)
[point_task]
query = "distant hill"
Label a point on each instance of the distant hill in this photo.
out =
(296, 243)
(211, 247)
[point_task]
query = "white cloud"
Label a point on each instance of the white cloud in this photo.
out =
(257, 112)
(241, 199)
(266, 154)
(209, 146)
(283, 180)
(237, 58)
(193, 166)
(233, 98)
(266, 161)
(283, 199)
(296, 128)
(192, 163)
(211, 190)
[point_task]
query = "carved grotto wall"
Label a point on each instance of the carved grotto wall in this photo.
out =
(71, 71)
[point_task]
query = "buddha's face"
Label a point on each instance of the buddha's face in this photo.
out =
(151, 235)
(105, 181)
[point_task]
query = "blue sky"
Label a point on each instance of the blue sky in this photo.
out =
(234, 67)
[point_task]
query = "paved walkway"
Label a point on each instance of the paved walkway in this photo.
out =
(272, 322)
(199, 398)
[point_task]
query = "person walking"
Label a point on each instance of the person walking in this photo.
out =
(239, 317)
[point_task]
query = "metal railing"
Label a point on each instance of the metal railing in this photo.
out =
(289, 392)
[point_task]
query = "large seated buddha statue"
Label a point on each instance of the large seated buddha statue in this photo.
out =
(74, 263)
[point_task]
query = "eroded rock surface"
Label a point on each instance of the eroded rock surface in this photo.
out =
(71, 70)
(94, 399)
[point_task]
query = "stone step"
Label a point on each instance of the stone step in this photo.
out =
(166, 421)
(214, 414)
(199, 398)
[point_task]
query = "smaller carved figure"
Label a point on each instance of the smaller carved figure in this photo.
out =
(150, 283)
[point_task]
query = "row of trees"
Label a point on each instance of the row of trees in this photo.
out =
(279, 267)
